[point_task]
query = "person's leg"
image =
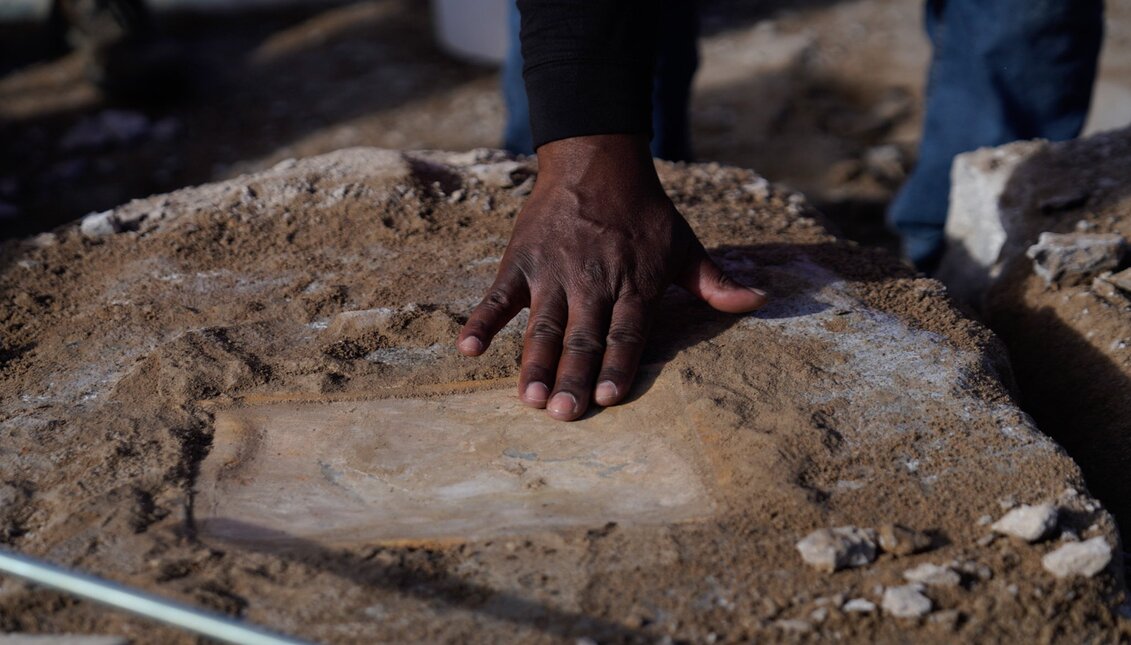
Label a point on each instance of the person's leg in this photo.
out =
(677, 58)
(1001, 70)
(517, 137)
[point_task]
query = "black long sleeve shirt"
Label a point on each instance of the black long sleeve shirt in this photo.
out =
(588, 66)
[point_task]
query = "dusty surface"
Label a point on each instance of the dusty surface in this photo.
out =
(858, 396)
(824, 95)
(1071, 347)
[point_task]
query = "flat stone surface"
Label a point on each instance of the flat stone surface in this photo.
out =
(458, 466)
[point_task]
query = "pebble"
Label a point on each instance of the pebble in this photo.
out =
(906, 602)
(986, 539)
(948, 618)
(96, 225)
(933, 575)
(900, 540)
(859, 606)
(1085, 558)
(837, 548)
(1070, 257)
(1030, 523)
(794, 625)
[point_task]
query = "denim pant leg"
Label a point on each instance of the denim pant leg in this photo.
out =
(1001, 70)
(677, 58)
(517, 137)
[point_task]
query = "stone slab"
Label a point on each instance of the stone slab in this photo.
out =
(470, 465)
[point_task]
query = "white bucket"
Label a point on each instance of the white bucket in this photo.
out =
(475, 30)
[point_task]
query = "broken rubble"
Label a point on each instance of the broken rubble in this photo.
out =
(900, 540)
(1071, 258)
(933, 575)
(98, 225)
(906, 601)
(1085, 558)
(859, 606)
(838, 548)
(1030, 523)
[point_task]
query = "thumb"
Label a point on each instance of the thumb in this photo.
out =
(707, 281)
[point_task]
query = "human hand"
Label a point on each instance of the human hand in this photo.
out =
(591, 253)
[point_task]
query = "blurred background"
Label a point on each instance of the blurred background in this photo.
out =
(98, 107)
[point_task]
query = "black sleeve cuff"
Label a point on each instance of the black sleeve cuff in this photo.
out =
(588, 66)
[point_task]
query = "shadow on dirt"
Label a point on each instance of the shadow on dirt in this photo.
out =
(1076, 391)
(420, 572)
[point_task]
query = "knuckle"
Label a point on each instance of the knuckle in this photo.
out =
(626, 334)
(585, 342)
(544, 328)
(497, 300)
(573, 383)
(615, 374)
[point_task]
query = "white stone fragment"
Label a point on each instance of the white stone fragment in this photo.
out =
(794, 625)
(906, 602)
(1085, 558)
(859, 606)
(1029, 523)
(96, 225)
(981, 229)
(837, 548)
(933, 575)
(1072, 257)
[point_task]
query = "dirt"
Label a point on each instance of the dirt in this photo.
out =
(858, 396)
(1069, 345)
(808, 93)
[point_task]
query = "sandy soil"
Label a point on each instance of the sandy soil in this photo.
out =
(1070, 346)
(860, 397)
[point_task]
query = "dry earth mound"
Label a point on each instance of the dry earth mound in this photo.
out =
(246, 395)
(1050, 224)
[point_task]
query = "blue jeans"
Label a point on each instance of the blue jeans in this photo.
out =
(1001, 70)
(677, 58)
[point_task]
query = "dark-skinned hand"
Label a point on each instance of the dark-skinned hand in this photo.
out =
(592, 251)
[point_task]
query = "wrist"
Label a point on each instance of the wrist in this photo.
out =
(579, 158)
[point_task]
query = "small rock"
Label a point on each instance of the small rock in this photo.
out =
(985, 520)
(1073, 257)
(819, 614)
(900, 540)
(948, 618)
(794, 625)
(1030, 523)
(976, 569)
(859, 606)
(906, 602)
(1121, 280)
(1085, 558)
(837, 548)
(98, 225)
(933, 575)
(986, 539)
(44, 240)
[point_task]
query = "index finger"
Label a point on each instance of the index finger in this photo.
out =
(507, 296)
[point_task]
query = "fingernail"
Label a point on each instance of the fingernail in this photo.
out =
(562, 403)
(536, 392)
(606, 391)
(471, 345)
(757, 291)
